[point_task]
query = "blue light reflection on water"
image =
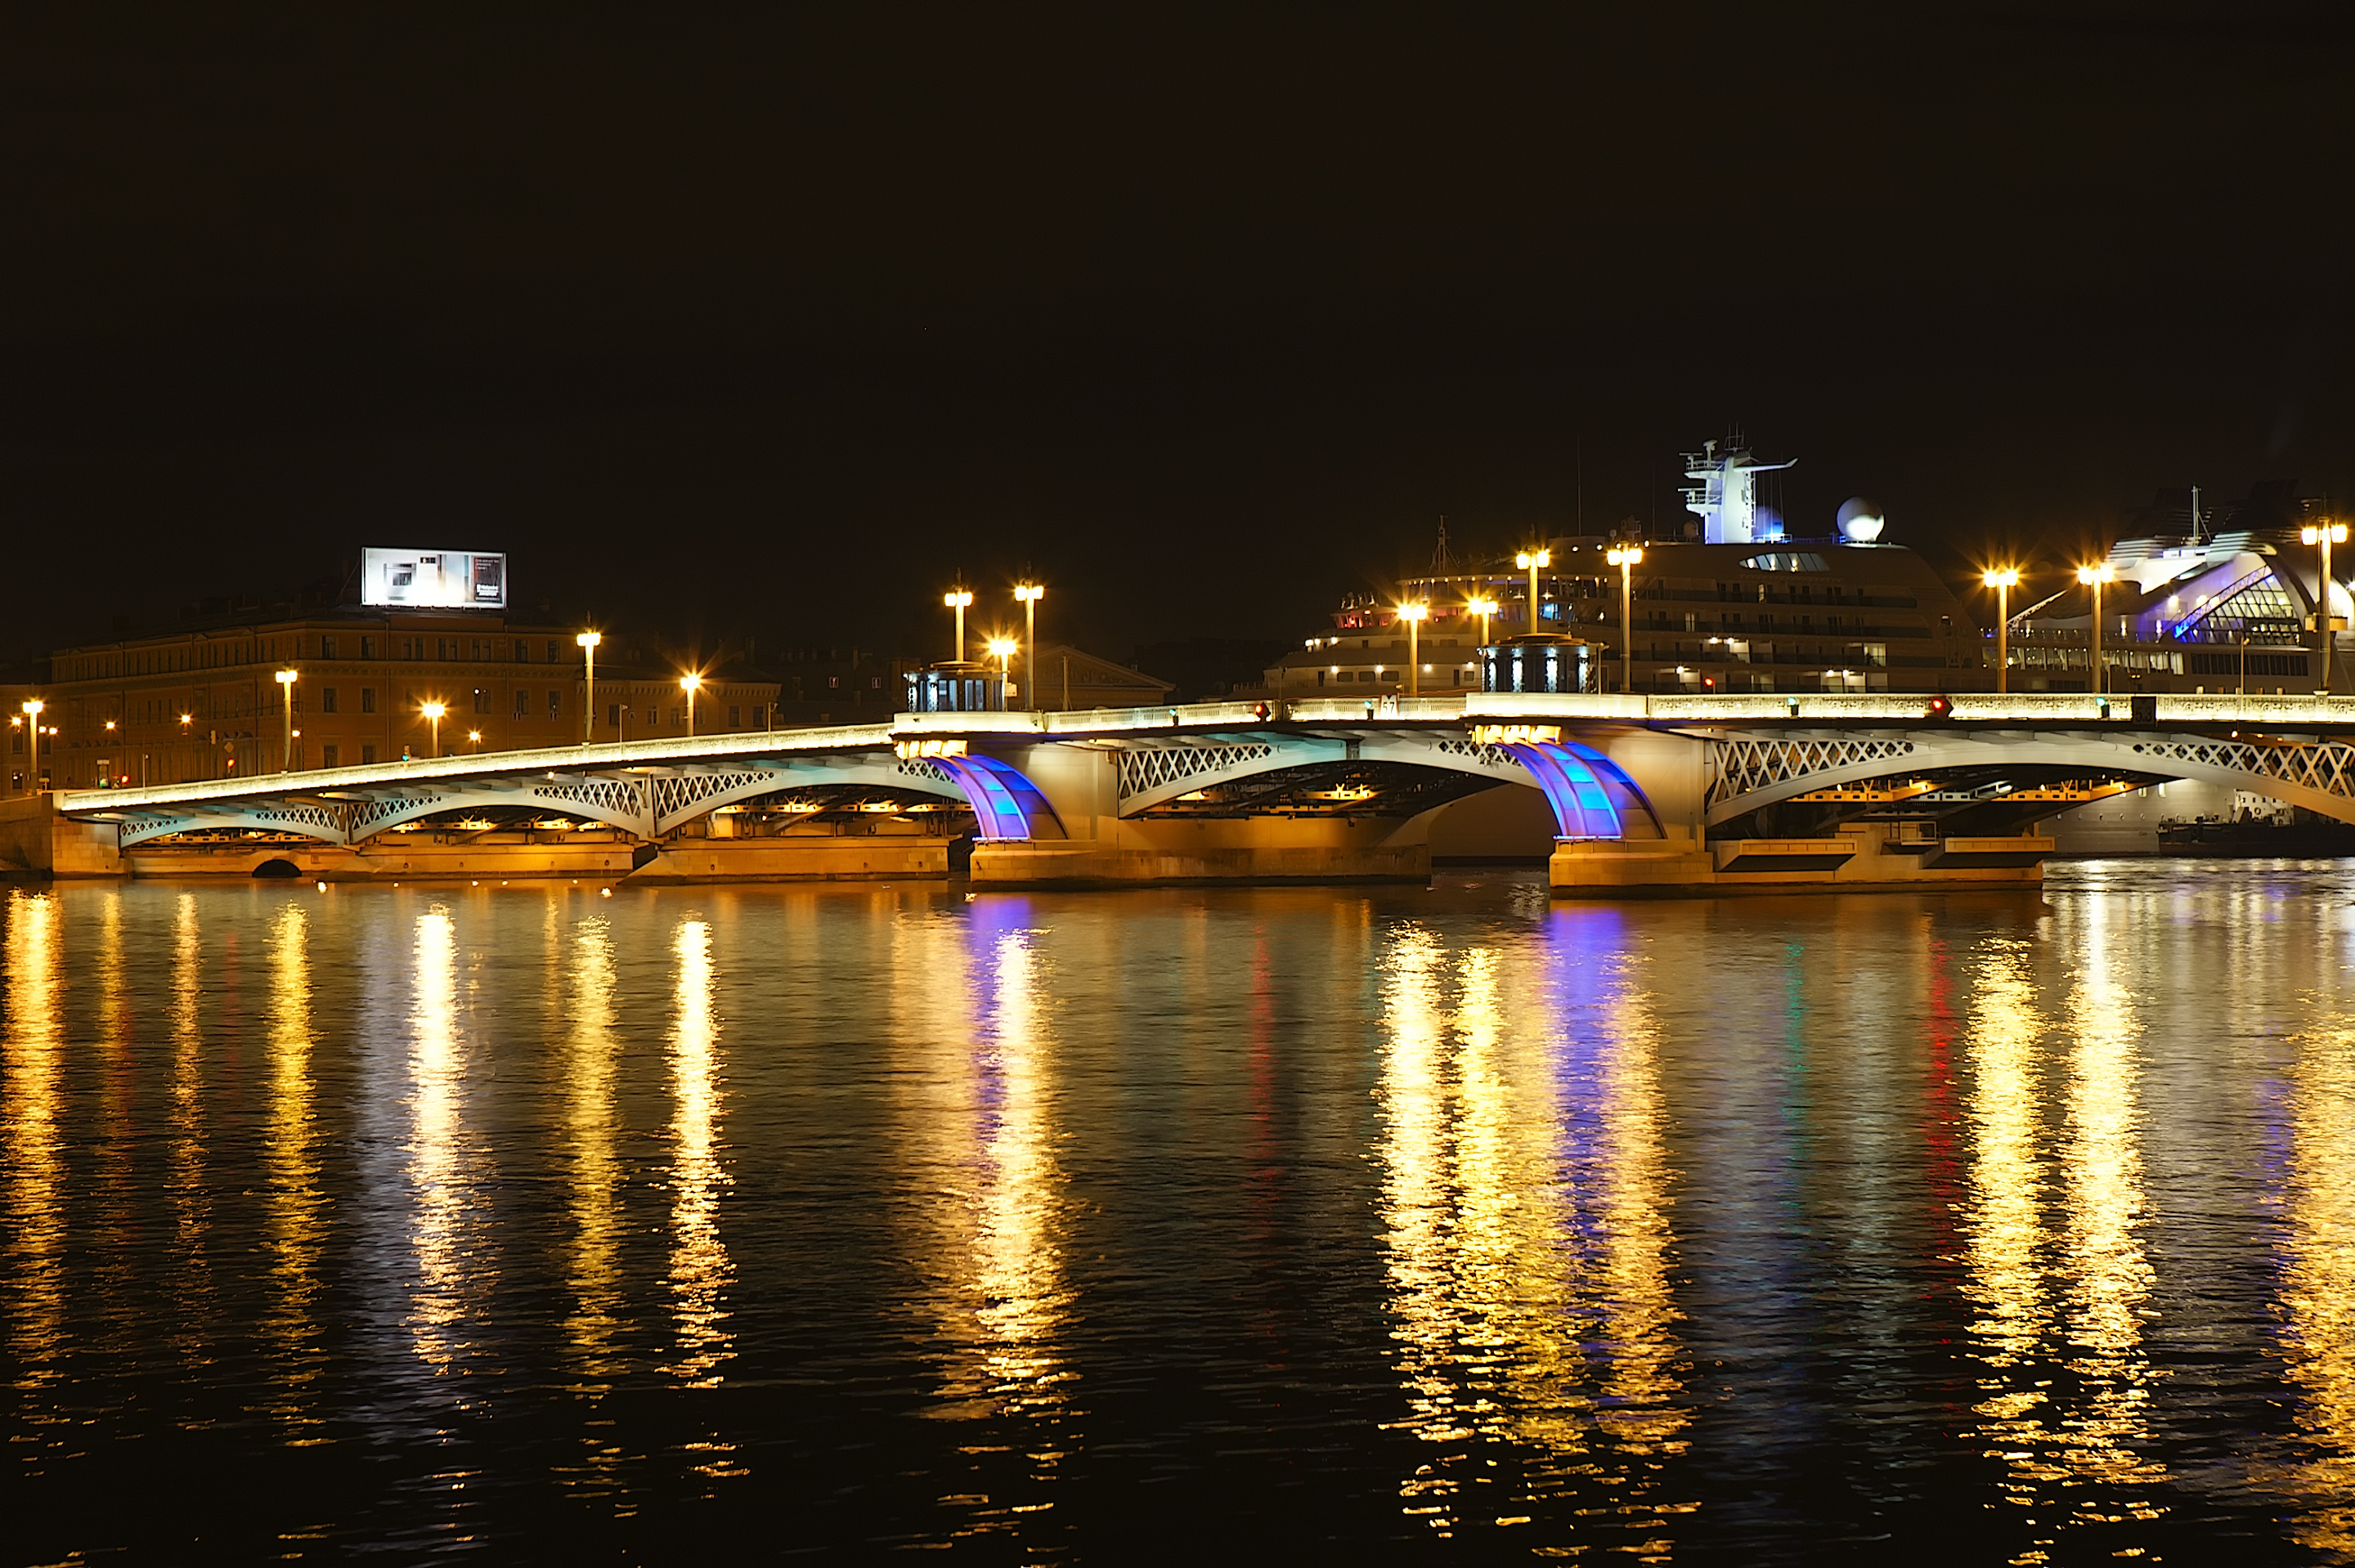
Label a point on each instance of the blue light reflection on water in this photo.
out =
(1453, 1222)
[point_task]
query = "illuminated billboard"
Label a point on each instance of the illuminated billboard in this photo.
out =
(435, 579)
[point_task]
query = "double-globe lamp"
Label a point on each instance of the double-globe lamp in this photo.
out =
(2325, 535)
(2094, 577)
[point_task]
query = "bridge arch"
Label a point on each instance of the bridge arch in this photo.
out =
(1748, 773)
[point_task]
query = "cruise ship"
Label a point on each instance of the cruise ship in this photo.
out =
(1738, 602)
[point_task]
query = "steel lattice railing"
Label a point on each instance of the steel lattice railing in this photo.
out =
(2326, 767)
(1745, 767)
(1140, 769)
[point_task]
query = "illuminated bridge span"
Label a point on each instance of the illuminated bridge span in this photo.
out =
(1644, 792)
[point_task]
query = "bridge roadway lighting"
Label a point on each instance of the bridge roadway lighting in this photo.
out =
(589, 640)
(690, 683)
(2094, 577)
(433, 712)
(1531, 560)
(1028, 595)
(285, 679)
(2325, 535)
(32, 722)
(2003, 580)
(1626, 558)
(1412, 614)
(959, 599)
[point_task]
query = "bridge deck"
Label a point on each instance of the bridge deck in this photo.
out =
(2030, 710)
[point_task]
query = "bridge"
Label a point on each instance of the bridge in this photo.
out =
(1645, 793)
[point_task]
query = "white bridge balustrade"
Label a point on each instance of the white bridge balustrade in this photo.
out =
(1648, 791)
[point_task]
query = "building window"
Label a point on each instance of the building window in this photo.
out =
(678, 718)
(367, 647)
(367, 752)
(834, 682)
(736, 720)
(326, 699)
(326, 647)
(522, 702)
(367, 699)
(523, 652)
(331, 756)
(874, 683)
(552, 654)
(613, 715)
(482, 701)
(482, 648)
(554, 709)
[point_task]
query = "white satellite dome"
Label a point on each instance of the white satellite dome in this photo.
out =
(1861, 521)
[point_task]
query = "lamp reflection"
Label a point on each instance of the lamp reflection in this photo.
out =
(699, 1268)
(592, 1128)
(1524, 1193)
(2055, 1266)
(2317, 1298)
(191, 1201)
(993, 1194)
(295, 1199)
(439, 1220)
(35, 1170)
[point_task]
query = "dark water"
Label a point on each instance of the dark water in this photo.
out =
(730, 1222)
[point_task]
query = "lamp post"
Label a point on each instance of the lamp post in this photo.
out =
(1531, 560)
(33, 707)
(2003, 580)
(433, 712)
(690, 683)
(589, 640)
(1002, 650)
(1027, 595)
(1412, 614)
(1626, 558)
(2325, 535)
(285, 679)
(1483, 609)
(2094, 577)
(475, 737)
(958, 599)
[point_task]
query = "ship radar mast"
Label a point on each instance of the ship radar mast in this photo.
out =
(1726, 496)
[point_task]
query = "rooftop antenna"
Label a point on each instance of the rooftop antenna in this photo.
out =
(1442, 562)
(2195, 515)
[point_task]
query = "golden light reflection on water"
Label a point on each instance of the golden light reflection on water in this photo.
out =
(190, 1191)
(992, 1199)
(699, 1266)
(2056, 1269)
(34, 1168)
(2317, 1291)
(440, 1192)
(592, 1128)
(1529, 1251)
(296, 1202)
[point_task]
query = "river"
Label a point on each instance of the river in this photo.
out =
(556, 1224)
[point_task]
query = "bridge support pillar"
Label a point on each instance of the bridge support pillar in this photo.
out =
(34, 838)
(1859, 857)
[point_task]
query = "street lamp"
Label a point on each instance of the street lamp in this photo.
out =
(1626, 558)
(33, 707)
(959, 599)
(476, 736)
(1028, 595)
(2094, 577)
(690, 683)
(1483, 609)
(285, 679)
(2325, 535)
(2003, 580)
(1002, 650)
(1413, 614)
(433, 712)
(1531, 560)
(589, 640)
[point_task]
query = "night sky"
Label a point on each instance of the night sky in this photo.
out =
(743, 324)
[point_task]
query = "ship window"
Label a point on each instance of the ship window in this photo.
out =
(1788, 561)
